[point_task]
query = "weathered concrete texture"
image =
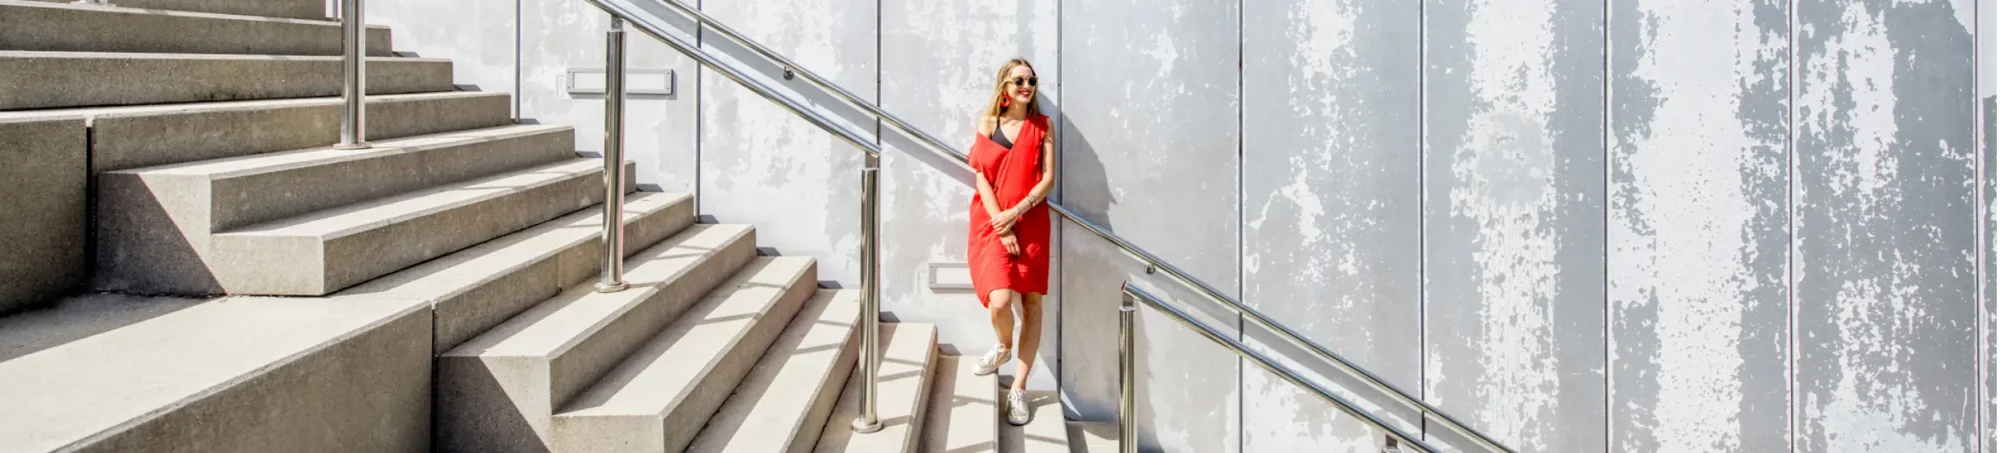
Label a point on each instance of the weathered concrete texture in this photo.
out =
(939, 61)
(1697, 254)
(43, 174)
(82, 28)
(1149, 149)
(1514, 212)
(560, 35)
(1331, 229)
(762, 163)
(324, 375)
(1884, 219)
(784, 403)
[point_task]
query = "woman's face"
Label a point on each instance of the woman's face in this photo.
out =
(1021, 85)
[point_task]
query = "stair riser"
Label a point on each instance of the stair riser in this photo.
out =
(291, 9)
(466, 315)
(312, 266)
(506, 404)
(808, 432)
(677, 429)
(122, 142)
(251, 199)
(76, 29)
(363, 393)
(30, 82)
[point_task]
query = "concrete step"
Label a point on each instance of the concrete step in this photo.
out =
(130, 137)
(1046, 433)
(229, 375)
(1086, 437)
(498, 391)
(783, 403)
(964, 414)
(474, 289)
(37, 80)
(662, 394)
(222, 194)
(292, 9)
(65, 27)
(330, 250)
(908, 352)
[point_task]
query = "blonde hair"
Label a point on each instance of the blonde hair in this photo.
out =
(993, 107)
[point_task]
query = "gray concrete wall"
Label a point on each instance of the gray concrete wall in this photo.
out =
(1609, 225)
(42, 172)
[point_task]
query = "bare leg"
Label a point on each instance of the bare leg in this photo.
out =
(1031, 338)
(1000, 307)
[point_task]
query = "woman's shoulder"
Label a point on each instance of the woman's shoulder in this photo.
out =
(987, 124)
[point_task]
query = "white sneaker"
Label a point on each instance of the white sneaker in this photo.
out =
(1017, 408)
(992, 361)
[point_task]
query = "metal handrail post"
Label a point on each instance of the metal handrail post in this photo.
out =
(1128, 393)
(614, 159)
(354, 86)
(871, 301)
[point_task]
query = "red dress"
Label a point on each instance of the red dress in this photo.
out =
(1013, 172)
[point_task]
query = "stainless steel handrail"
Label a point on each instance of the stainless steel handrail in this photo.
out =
(1128, 428)
(613, 278)
(354, 68)
(630, 10)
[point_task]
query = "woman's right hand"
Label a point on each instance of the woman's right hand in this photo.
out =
(1012, 244)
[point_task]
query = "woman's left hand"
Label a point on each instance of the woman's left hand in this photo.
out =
(1005, 221)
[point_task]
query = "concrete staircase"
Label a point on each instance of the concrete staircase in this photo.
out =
(256, 290)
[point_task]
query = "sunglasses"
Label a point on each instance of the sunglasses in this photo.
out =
(1029, 81)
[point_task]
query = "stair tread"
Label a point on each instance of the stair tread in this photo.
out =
(773, 406)
(550, 327)
(1047, 432)
(193, 107)
(115, 8)
(372, 214)
(64, 54)
(964, 416)
(87, 27)
(456, 273)
(663, 372)
(68, 371)
(287, 160)
(908, 352)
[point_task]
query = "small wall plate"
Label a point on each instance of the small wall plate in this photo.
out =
(949, 276)
(658, 82)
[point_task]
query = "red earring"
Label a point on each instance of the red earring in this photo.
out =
(1004, 101)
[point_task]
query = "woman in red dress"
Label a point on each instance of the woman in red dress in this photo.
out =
(1008, 248)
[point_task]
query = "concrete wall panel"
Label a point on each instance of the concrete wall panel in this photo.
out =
(43, 171)
(1149, 149)
(1884, 226)
(1514, 212)
(560, 35)
(1332, 226)
(764, 165)
(1697, 236)
(1988, 56)
(938, 63)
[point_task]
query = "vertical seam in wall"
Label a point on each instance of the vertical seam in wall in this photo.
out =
(1792, 272)
(694, 186)
(1604, 105)
(1423, 214)
(1242, 106)
(1980, 243)
(1061, 225)
(514, 100)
